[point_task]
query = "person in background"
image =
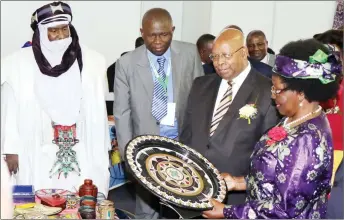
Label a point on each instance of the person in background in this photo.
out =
(334, 40)
(111, 72)
(111, 75)
(204, 45)
(258, 47)
(291, 165)
(151, 88)
(6, 192)
(139, 42)
(334, 109)
(269, 50)
(54, 129)
(261, 67)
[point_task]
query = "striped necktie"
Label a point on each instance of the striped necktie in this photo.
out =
(221, 109)
(159, 104)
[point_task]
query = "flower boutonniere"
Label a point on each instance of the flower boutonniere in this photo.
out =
(248, 112)
(276, 134)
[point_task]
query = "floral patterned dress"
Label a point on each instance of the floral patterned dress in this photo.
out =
(290, 173)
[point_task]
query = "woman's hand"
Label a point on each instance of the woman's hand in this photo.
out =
(216, 212)
(234, 183)
(230, 181)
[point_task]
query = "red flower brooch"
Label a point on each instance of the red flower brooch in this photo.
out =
(276, 134)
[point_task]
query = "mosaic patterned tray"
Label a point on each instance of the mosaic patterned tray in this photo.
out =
(49, 192)
(174, 172)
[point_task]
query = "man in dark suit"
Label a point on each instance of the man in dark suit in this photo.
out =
(212, 123)
(335, 203)
(204, 45)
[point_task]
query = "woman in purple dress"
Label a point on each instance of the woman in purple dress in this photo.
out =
(291, 165)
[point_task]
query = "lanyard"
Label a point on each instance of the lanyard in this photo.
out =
(163, 83)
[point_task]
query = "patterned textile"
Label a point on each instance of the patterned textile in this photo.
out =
(290, 174)
(66, 161)
(338, 17)
(27, 44)
(320, 66)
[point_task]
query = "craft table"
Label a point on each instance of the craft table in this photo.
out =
(121, 214)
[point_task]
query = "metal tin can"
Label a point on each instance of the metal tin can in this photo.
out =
(107, 213)
(106, 209)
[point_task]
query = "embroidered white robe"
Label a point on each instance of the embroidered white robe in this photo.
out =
(26, 129)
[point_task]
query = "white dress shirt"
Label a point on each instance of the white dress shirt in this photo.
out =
(236, 84)
(265, 59)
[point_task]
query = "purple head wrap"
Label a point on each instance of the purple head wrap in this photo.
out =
(320, 66)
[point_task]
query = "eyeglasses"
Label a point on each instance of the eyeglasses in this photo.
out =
(277, 91)
(216, 57)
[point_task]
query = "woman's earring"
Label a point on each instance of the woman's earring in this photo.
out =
(301, 104)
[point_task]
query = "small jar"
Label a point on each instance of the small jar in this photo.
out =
(88, 189)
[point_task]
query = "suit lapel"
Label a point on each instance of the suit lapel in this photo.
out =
(177, 63)
(210, 100)
(239, 101)
(145, 73)
(271, 60)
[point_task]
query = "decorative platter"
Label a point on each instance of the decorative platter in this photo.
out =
(174, 172)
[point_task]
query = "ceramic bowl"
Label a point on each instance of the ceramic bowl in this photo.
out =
(88, 203)
(87, 212)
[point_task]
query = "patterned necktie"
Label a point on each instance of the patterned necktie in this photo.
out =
(221, 109)
(159, 105)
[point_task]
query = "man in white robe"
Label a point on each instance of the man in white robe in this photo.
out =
(6, 193)
(55, 90)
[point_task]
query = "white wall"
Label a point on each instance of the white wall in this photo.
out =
(111, 27)
(281, 21)
(174, 7)
(301, 19)
(247, 15)
(15, 28)
(196, 20)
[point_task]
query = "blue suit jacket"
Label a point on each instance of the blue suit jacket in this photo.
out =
(208, 68)
(261, 67)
